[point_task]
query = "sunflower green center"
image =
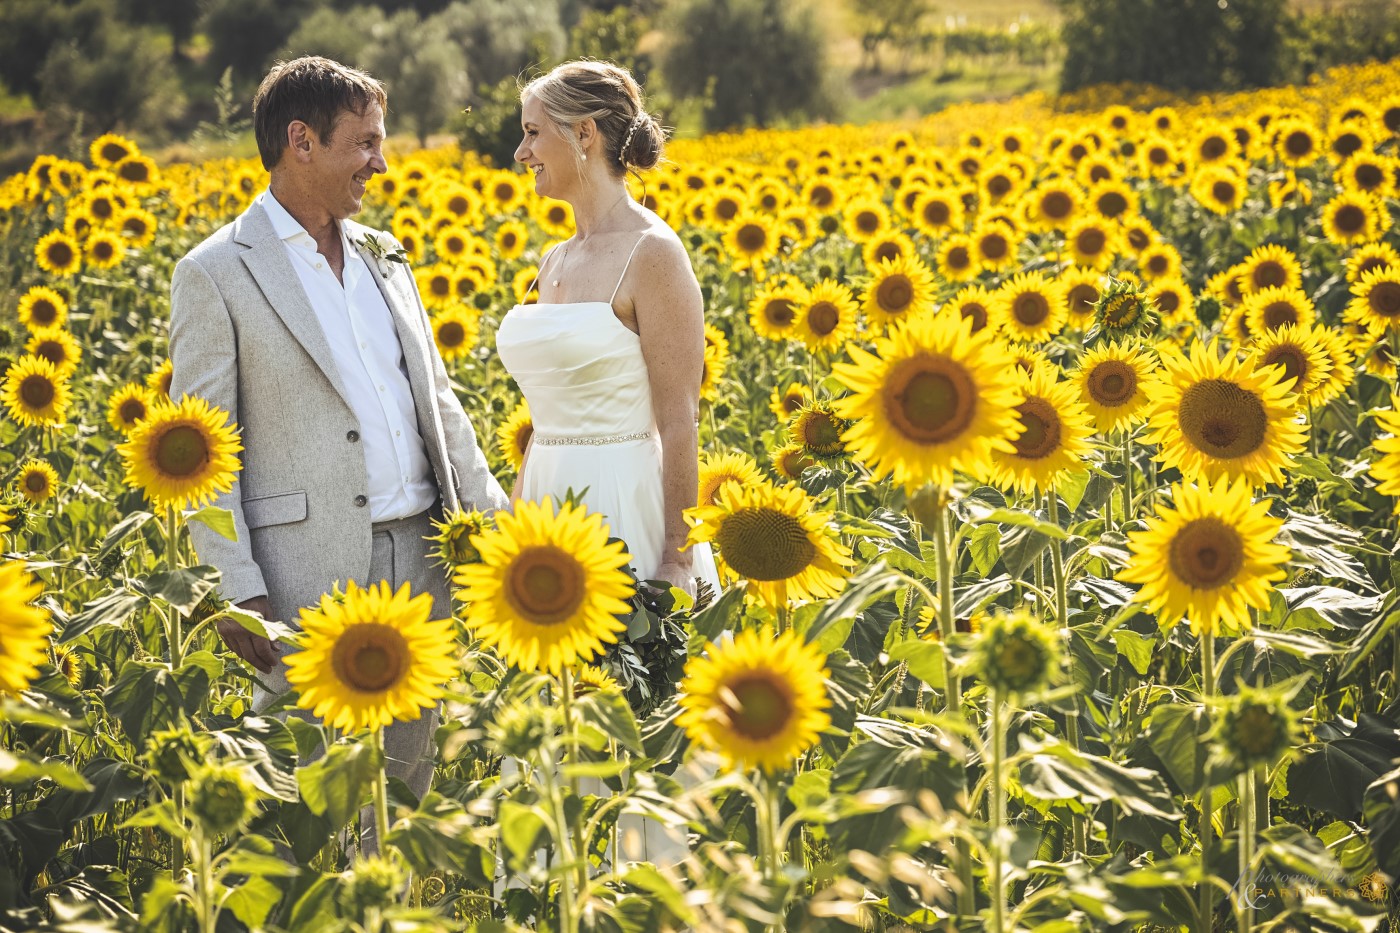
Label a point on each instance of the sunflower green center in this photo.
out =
(1206, 553)
(759, 705)
(930, 400)
(765, 544)
(820, 433)
(545, 585)
(370, 657)
(1222, 419)
(1019, 661)
(1112, 383)
(37, 392)
(895, 293)
(1255, 731)
(823, 318)
(1041, 436)
(182, 451)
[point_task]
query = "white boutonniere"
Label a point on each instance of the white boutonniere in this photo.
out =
(385, 252)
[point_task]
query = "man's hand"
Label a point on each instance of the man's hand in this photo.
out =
(260, 652)
(679, 574)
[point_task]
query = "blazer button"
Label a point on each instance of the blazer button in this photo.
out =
(352, 436)
(361, 500)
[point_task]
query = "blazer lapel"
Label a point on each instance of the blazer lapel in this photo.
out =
(267, 260)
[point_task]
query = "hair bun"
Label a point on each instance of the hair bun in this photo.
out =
(643, 144)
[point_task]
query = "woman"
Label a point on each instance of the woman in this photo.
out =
(610, 357)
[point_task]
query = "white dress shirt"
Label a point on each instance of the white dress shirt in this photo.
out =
(365, 346)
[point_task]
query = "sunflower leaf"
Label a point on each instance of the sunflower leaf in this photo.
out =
(218, 520)
(183, 588)
(1019, 519)
(985, 548)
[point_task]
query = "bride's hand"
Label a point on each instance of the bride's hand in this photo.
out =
(678, 574)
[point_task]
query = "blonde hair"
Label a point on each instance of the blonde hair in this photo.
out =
(608, 95)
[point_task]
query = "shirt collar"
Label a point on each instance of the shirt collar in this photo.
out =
(289, 229)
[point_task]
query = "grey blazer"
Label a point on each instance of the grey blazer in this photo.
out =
(244, 337)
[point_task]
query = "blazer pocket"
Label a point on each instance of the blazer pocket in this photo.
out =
(280, 509)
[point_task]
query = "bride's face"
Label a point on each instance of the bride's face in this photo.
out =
(544, 150)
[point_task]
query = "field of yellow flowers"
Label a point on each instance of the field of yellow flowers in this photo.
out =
(1050, 451)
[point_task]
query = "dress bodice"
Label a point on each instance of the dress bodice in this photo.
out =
(580, 368)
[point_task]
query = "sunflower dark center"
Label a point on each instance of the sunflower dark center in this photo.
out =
(37, 392)
(1291, 359)
(557, 215)
(36, 481)
(52, 351)
(1298, 144)
(821, 434)
(1030, 309)
(1346, 144)
(726, 208)
(821, 196)
(102, 250)
(751, 238)
(765, 544)
(1269, 274)
(1138, 240)
(887, 250)
(976, 312)
(1081, 298)
(43, 312)
(1368, 176)
(895, 293)
(779, 312)
(1223, 191)
(823, 318)
(131, 411)
(459, 205)
(102, 208)
(452, 334)
(998, 186)
(1384, 298)
(957, 258)
(1213, 148)
(1112, 203)
(867, 221)
(759, 705)
(1206, 553)
(1057, 205)
(1159, 264)
(1279, 314)
(135, 171)
(930, 400)
(1158, 155)
(545, 585)
(440, 285)
(1091, 241)
(1168, 301)
(1112, 383)
(370, 657)
(114, 152)
(182, 451)
(60, 253)
(994, 246)
(1222, 419)
(504, 192)
(1350, 219)
(937, 213)
(1041, 422)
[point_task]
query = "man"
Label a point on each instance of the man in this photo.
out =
(321, 351)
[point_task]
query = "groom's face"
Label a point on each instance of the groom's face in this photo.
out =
(347, 159)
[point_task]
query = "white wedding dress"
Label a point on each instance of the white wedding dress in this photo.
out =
(582, 373)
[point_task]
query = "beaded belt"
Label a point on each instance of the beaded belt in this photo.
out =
(595, 441)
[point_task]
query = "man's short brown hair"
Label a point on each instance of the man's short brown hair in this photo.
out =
(313, 90)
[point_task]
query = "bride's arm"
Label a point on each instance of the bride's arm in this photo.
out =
(670, 321)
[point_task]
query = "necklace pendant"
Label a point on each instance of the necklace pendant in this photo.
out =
(555, 283)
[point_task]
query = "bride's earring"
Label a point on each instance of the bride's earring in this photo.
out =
(584, 156)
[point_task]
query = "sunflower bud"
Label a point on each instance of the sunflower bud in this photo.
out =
(519, 729)
(373, 883)
(1125, 308)
(817, 429)
(1256, 728)
(220, 797)
(454, 548)
(173, 753)
(1016, 653)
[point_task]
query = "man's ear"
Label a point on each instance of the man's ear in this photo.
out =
(301, 140)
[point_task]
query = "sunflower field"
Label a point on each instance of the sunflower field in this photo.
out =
(1051, 453)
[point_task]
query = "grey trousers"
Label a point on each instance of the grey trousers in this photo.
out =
(399, 555)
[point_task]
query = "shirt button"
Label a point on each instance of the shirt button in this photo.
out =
(363, 345)
(381, 388)
(352, 436)
(361, 501)
(318, 265)
(398, 434)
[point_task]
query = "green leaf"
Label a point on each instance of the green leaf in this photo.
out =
(969, 599)
(608, 710)
(924, 657)
(147, 695)
(1136, 648)
(1304, 465)
(720, 615)
(439, 836)
(1370, 638)
(810, 788)
(1333, 776)
(337, 785)
(17, 771)
(1017, 519)
(161, 816)
(258, 625)
(1176, 732)
(864, 588)
(1057, 772)
(119, 533)
(182, 588)
(1071, 488)
(113, 609)
(984, 546)
(521, 827)
(1382, 814)
(253, 900)
(218, 520)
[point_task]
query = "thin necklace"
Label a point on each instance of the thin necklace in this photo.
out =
(565, 254)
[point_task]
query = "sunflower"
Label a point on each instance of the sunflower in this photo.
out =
(1159, 261)
(1053, 205)
(938, 212)
(35, 393)
(818, 429)
(759, 700)
(994, 246)
(159, 381)
(1385, 468)
(932, 399)
(1113, 380)
(1173, 299)
(955, 260)
(58, 254)
(773, 311)
(513, 436)
(776, 538)
(788, 400)
(865, 218)
(58, 346)
(504, 192)
(37, 481)
(455, 331)
(1270, 266)
(714, 363)
(890, 245)
(24, 628)
(104, 249)
(129, 406)
(1158, 158)
(1371, 256)
(556, 218)
(1352, 218)
(1299, 353)
(137, 171)
(1054, 438)
(1340, 365)
(42, 307)
(1296, 143)
(1092, 243)
(1346, 139)
(510, 239)
(1369, 173)
(718, 469)
(452, 243)
(1030, 308)
(898, 289)
(827, 318)
(1273, 308)
(1213, 417)
(109, 149)
(1213, 143)
(789, 461)
(751, 240)
(371, 657)
(1083, 289)
(453, 540)
(974, 303)
(1112, 200)
(182, 455)
(1124, 308)
(550, 590)
(1210, 556)
(1219, 188)
(137, 226)
(1376, 305)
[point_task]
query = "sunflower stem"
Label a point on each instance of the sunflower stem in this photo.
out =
(771, 807)
(566, 679)
(177, 845)
(206, 904)
(1079, 826)
(172, 564)
(998, 806)
(952, 696)
(568, 918)
(1127, 475)
(381, 792)
(1206, 908)
(1243, 903)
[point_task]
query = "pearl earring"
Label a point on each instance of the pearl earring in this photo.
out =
(585, 156)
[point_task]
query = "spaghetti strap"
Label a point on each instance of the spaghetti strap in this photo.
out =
(540, 271)
(625, 266)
